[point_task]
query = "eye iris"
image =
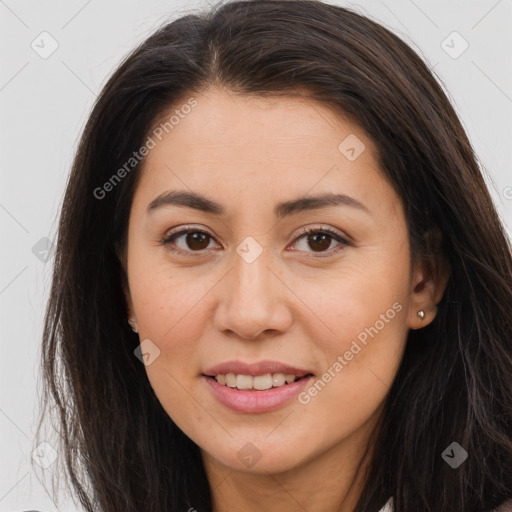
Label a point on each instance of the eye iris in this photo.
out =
(196, 237)
(324, 238)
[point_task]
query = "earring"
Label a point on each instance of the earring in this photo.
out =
(421, 314)
(131, 325)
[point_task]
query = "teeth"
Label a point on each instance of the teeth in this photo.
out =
(244, 381)
(260, 382)
(231, 380)
(278, 379)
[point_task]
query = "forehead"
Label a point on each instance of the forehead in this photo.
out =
(223, 118)
(247, 147)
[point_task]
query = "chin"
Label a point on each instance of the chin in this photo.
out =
(259, 458)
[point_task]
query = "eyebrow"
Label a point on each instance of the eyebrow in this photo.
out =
(281, 210)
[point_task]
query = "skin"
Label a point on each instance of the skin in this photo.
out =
(295, 303)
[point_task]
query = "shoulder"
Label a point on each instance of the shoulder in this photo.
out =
(388, 507)
(505, 507)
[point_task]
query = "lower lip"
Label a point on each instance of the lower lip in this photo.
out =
(256, 401)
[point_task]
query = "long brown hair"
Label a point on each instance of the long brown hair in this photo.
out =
(122, 451)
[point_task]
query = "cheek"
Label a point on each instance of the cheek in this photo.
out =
(166, 297)
(360, 359)
(347, 302)
(362, 317)
(171, 314)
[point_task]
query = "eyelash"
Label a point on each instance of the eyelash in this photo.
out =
(303, 232)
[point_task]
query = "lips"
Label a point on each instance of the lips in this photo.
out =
(255, 369)
(253, 402)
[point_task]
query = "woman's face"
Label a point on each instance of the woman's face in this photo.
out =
(248, 286)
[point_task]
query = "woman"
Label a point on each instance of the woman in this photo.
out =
(280, 280)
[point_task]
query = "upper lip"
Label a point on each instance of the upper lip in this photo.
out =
(254, 369)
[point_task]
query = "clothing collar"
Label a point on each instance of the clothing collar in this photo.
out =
(388, 507)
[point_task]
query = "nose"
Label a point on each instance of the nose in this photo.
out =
(252, 300)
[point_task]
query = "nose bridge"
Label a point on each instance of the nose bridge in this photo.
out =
(251, 277)
(252, 300)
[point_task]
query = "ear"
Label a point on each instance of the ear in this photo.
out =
(132, 319)
(429, 280)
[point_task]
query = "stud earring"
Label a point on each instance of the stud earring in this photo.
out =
(421, 314)
(131, 325)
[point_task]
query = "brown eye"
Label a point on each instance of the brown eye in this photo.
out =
(196, 241)
(193, 241)
(319, 240)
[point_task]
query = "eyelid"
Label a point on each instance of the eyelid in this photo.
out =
(321, 228)
(186, 227)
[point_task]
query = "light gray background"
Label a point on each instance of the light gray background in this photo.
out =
(45, 103)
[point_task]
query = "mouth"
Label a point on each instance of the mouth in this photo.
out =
(257, 383)
(242, 395)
